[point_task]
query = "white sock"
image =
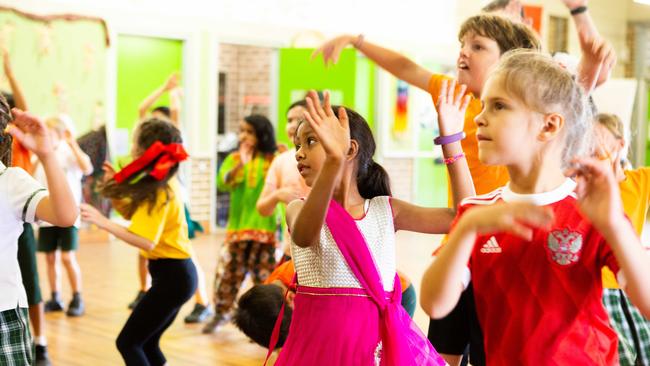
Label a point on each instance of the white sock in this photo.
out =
(40, 340)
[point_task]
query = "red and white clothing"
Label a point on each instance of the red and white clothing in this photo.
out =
(539, 302)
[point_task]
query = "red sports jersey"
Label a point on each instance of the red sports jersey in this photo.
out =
(539, 302)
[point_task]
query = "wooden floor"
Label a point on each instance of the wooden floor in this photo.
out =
(110, 283)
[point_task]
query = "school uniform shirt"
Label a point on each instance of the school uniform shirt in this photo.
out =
(635, 193)
(73, 175)
(539, 302)
(486, 178)
(164, 224)
(20, 194)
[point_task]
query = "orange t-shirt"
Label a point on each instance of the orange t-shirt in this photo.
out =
(21, 157)
(283, 273)
(486, 178)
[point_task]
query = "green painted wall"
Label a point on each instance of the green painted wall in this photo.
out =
(61, 67)
(351, 82)
(143, 65)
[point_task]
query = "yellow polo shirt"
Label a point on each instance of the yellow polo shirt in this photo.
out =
(164, 225)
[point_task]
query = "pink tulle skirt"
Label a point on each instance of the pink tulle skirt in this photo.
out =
(332, 326)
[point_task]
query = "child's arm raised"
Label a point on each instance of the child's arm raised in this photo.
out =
(305, 219)
(599, 200)
(452, 104)
(16, 90)
(175, 106)
(170, 83)
(81, 158)
(59, 208)
(596, 63)
(442, 282)
(399, 65)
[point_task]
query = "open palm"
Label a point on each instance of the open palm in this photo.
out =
(333, 132)
(31, 132)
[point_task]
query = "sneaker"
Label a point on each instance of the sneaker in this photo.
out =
(216, 322)
(41, 358)
(200, 314)
(137, 299)
(54, 304)
(76, 307)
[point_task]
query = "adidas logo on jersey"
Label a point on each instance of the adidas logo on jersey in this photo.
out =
(491, 246)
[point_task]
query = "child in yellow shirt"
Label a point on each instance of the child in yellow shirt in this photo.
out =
(152, 201)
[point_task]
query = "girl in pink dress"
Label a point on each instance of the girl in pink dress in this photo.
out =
(347, 306)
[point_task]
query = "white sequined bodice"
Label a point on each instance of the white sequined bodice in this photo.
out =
(323, 265)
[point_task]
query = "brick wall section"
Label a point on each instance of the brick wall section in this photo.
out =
(401, 177)
(248, 73)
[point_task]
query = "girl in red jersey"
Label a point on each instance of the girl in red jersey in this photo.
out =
(533, 249)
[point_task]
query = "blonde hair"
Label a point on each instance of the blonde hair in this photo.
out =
(612, 123)
(546, 87)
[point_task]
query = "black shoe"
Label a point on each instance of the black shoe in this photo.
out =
(215, 323)
(200, 314)
(137, 299)
(41, 358)
(76, 307)
(53, 304)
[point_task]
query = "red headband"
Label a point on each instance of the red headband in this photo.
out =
(171, 155)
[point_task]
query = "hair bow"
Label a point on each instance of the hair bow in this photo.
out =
(169, 155)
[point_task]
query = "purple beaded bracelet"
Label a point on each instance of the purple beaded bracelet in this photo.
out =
(445, 140)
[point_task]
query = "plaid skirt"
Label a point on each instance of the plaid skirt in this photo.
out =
(632, 328)
(15, 338)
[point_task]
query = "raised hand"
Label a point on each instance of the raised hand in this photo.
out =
(333, 132)
(516, 218)
(597, 61)
(171, 82)
(31, 132)
(451, 107)
(598, 196)
(331, 49)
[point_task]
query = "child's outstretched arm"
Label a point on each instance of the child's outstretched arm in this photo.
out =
(598, 57)
(305, 219)
(599, 200)
(59, 208)
(16, 90)
(446, 277)
(398, 65)
(92, 215)
(452, 104)
(170, 83)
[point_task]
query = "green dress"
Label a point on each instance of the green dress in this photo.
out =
(244, 222)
